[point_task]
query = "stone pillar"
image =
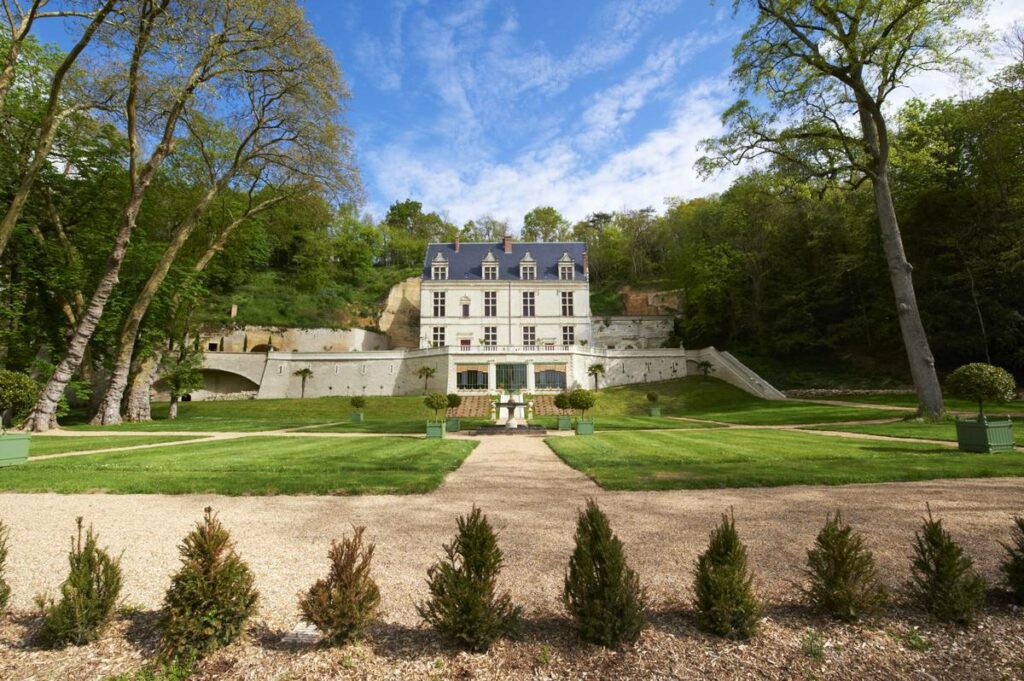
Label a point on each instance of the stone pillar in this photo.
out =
(492, 376)
(531, 381)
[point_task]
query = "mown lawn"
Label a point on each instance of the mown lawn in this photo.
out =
(953, 403)
(41, 445)
(631, 423)
(923, 430)
(257, 465)
(715, 400)
(660, 460)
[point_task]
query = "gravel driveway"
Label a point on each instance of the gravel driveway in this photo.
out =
(531, 497)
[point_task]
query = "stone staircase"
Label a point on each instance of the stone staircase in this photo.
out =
(544, 405)
(474, 406)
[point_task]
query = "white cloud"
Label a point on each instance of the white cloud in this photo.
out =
(659, 166)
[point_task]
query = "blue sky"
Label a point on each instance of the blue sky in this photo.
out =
(479, 107)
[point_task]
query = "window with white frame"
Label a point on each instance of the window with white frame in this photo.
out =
(439, 272)
(529, 304)
(568, 335)
(490, 335)
(490, 303)
(566, 271)
(438, 337)
(529, 335)
(490, 271)
(567, 306)
(439, 304)
(527, 271)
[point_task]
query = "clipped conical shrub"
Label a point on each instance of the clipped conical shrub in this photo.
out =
(602, 593)
(1013, 565)
(464, 605)
(342, 604)
(5, 588)
(942, 576)
(88, 595)
(843, 580)
(210, 598)
(725, 600)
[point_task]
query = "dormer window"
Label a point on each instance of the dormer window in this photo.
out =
(566, 268)
(439, 267)
(527, 267)
(489, 268)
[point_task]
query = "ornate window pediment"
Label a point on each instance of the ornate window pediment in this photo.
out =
(528, 267)
(439, 267)
(489, 267)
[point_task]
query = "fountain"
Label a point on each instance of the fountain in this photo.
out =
(515, 422)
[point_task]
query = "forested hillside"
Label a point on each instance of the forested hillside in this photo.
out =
(144, 198)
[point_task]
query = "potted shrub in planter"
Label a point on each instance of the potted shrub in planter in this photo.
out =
(982, 383)
(453, 423)
(583, 400)
(358, 403)
(562, 403)
(17, 393)
(654, 409)
(438, 402)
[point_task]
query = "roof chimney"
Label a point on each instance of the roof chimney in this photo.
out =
(458, 242)
(506, 243)
(586, 263)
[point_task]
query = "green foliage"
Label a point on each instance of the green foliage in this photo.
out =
(725, 600)
(943, 579)
(182, 374)
(5, 588)
(436, 401)
(211, 597)
(454, 401)
(88, 595)
(358, 402)
(601, 592)
(813, 645)
(342, 604)
(1012, 566)
(982, 383)
(844, 582)
(582, 400)
(17, 393)
(544, 223)
(705, 368)
(562, 401)
(596, 370)
(464, 605)
(652, 397)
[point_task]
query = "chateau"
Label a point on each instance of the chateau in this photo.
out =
(490, 317)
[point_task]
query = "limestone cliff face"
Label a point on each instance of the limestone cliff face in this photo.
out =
(650, 303)
(400, 319)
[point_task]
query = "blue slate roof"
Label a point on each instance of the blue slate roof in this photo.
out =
(467, 263)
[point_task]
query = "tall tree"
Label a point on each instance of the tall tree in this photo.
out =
(544, 223)
(56, 111)
(291, 92)
(827, 64)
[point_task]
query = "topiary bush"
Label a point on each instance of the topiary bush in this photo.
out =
(5, 588)
(210, 598)
(343, 603)
(1012, 566)
(358, 402)
(843, 579)
(464, 605)
(562, 401)
(436, 401)
(981, 383)
(942, 578)
(601, 592)
(582, 399)
(725, 600)
(17, 395)
(454, 401)
(652, 397)
(88, 595)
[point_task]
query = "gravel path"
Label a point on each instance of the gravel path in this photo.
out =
(530, 496)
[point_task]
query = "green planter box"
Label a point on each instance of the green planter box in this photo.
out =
(654, 411)
(435, 430)
(13, 449)
(984, 436)
(453, 425)
(584, 426)
(564, 422)
(357, 417)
